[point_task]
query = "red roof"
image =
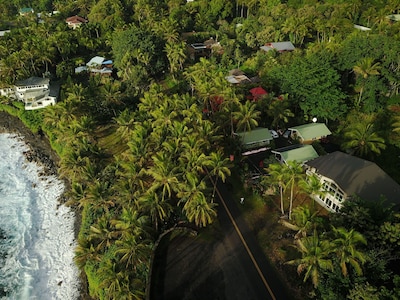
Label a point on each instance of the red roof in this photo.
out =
(257, 93)
(75, 20)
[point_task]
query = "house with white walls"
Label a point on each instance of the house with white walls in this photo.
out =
(35, 92)
(344, 176)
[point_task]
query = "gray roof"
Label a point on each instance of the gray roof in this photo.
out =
(33, 81)
(357, 176)
(278, 46)
(95, 61)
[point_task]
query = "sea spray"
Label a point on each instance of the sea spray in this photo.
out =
(36, 234)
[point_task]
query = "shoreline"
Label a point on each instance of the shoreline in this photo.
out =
(42, 154)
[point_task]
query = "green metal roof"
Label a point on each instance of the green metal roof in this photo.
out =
(300, 154)
(311, 131)
(255, 136)
(26, 10)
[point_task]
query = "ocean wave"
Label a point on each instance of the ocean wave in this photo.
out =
(37, 234)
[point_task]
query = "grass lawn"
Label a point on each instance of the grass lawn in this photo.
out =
(108, 140)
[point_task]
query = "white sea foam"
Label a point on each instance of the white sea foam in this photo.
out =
(36, 255)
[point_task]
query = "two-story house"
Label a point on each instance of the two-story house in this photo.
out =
(34, 92)
(343, 176)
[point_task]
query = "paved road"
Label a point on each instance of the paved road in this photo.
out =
(264, 279)
(229, 265)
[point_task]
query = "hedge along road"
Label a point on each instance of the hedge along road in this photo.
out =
(230, 265)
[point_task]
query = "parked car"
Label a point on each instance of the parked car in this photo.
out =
(286, 134)
(274, 134)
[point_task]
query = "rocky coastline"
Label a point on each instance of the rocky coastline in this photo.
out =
(41, 153)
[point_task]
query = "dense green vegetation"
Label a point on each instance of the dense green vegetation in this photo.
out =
(138, 148)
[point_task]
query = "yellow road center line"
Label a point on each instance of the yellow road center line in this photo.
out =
(247, 247)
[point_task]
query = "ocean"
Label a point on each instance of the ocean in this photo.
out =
(36, 233)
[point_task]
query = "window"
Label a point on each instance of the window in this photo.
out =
(339, 196)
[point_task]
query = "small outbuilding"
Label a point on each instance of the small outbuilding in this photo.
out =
(278, 46)
(299, 153)
(256, 138)
(308, 133)
(75, 21)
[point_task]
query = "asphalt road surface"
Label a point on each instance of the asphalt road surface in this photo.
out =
(228, 265)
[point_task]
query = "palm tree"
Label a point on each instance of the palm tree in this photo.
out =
(130, 222)
(396, 124)
(362, 138)
(295, 174)
(190, 190)
(280, 113)
(303, 221)
(218, 165)
(99, 196)
(85, 252)
(72, 165)
(110, 95)
(246, 117)
(364, 69)
(102, 234)
(346, 243)
(312, 186)
(133, 251)
(277, 176)
(158, 209)
(200, 211)
(164, 173)
(116, 284)
(315, 257)
(126, 124)
(176, 56)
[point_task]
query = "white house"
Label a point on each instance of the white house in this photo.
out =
(97, 65)
(34, 92)
(343, 176)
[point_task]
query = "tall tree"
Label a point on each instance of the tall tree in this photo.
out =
(314, 85)
(315, 257)
(277, 176)
(294, 174)
(218, 165)
(365, 68)
(363, 139)
(200, 211)
(246, 117)
(304, 220)
(346, 243)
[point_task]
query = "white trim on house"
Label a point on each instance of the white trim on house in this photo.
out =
(34, 92)
(334, 197)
